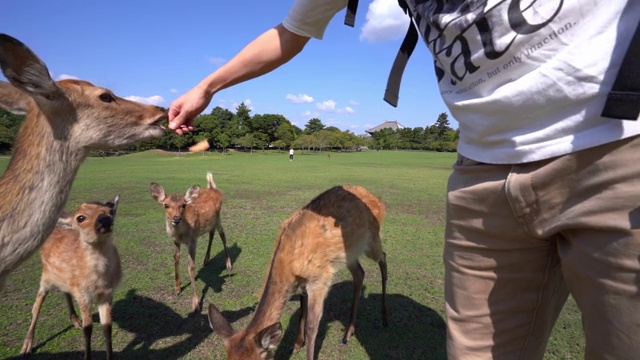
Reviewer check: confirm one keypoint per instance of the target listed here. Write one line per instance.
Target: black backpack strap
(392, 91)
(350, 17)
(623, 101)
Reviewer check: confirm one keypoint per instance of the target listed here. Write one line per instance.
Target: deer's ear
(157, 192)
(25, 70)
(13, 100)
(192, 194)
(268, 337)
(65, 220)
(219, 324)
(113, 204)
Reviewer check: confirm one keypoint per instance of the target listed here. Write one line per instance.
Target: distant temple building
(393, 125)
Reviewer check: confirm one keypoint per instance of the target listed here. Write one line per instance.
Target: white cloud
(328, 105)
(309, 114)
(354, 103)
(349, 110)
(216, 60)
(385, 21)
(299, 99)
(231, 105)
(151, 100)
(66, 76)
(173, 91)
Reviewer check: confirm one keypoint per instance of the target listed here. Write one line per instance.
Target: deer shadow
(150, 322)
(415, 331)
(211, 272)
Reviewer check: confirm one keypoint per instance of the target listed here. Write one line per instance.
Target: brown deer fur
(80, 259)
(187, 217)
(64, 120)
(335, 228)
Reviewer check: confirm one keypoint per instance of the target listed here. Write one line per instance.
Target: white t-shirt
(525, 80)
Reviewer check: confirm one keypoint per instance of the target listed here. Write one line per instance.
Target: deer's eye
(81, 218)
(107, 97)
(184, 206)
(166, 206)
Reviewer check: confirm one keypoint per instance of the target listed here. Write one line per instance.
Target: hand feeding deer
(64, 120)
(335, 228)
(187, 217)
(81, 260)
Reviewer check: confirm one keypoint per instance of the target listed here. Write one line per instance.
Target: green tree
(279, 144)
(268, 124)
(247, 141)
(260, 139)
(9, 125)
(224, 141)
(314, 125)
(323, 138)
(285, 133)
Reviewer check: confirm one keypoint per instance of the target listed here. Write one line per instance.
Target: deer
(188, 216)
(80, 259)
(334, 229)
(64, 121)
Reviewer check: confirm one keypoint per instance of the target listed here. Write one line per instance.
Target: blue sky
(153, 51)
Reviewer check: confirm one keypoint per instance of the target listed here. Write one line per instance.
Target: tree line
(225, 129)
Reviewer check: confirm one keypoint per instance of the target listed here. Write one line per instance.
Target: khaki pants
(521, 238)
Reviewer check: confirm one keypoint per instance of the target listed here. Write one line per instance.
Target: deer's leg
(208, 254)
(28, 341)
(224, 243)
(300, 337)
(316, 295)
(176, 263)
(104, 309)
(383, 272)
(72, 312)
(379, 256)
(195, 301)
(358, 278)
(87, 325)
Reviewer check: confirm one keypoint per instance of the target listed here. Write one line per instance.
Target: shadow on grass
(211, 273)
(152, 324)
(415, 331)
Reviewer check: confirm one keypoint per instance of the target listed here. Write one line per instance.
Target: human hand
(185, 108)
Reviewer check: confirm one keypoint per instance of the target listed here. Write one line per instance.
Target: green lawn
(260, 191)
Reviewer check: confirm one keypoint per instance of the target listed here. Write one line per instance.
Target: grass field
(261, 190)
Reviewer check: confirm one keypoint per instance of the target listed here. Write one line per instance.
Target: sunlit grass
(260, 191)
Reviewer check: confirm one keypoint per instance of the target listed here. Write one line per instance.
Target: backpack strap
(392, 91)
(350, 17)
(623, 101)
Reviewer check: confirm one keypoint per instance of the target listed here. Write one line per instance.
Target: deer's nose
(104, 223)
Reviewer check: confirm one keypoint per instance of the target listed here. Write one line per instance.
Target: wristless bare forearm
(266, 53)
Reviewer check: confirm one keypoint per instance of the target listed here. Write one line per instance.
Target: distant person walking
(291, 154)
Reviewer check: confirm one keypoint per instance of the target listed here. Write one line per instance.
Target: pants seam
(537, 308)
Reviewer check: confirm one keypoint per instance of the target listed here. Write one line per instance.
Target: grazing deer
(64, 121)
(188, 216)
(81, 260)
(335, 228)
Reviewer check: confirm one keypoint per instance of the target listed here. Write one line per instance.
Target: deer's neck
(34, 189)
(278, 288)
